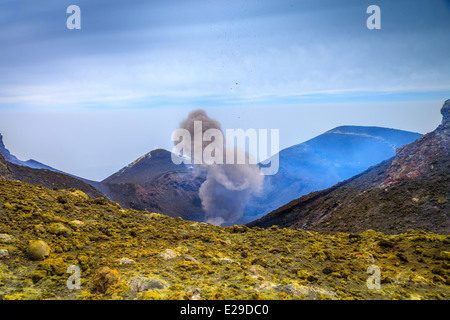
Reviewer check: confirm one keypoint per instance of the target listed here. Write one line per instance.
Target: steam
(228, 187)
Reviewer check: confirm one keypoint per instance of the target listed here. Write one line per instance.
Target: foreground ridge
(129, 254)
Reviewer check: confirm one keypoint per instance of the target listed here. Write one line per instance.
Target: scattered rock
(228, 260)
(4, 253)
(7, 238)
(194, 226)
(310, 292)
(141, 283)
(188, 257)
(289, 288)
(153, 215)
(195, 294)
(38, 250)
(77, 223)
(313, 292)
(104, 278)
(260, 273)
(126, 261)
(168, 254)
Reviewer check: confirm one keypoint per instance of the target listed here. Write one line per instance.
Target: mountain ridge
(154, 183)
(142, 170)
(325, 160)
(44, 177)
(409, 190)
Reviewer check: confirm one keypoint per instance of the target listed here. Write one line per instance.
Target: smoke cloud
(228, 187)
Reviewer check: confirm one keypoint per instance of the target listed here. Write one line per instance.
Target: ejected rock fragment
(4, 237)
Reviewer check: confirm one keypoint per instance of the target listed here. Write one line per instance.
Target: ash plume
(227, 187)
(189, 125)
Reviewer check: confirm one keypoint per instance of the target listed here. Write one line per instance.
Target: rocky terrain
(46, 235)
(408, 191)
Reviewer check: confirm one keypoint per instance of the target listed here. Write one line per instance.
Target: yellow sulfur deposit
(129, 254)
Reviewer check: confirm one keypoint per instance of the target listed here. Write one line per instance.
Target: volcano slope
(45, 177)
(154, 183)
(409, 191)
(323, 161)
(129, 254)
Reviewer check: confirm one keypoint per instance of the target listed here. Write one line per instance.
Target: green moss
(151, 295)
(59, 229)
(54, 266)
(187, 266)
(119, 291)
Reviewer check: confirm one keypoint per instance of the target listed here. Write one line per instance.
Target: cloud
(128, 54)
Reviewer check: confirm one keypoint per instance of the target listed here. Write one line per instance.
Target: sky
(92, 100)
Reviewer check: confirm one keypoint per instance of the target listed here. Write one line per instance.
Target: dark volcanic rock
(154, 183)
(409, 191)
(325, 160)
(147, 168)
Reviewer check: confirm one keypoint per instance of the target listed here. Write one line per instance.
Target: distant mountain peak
(355, 129)
(160, 153)
(371, 131)
(145, 168)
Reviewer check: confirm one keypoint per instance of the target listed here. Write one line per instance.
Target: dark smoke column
(228, 185)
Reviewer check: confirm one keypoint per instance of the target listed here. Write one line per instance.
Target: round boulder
(104, 278)
(38, 250)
